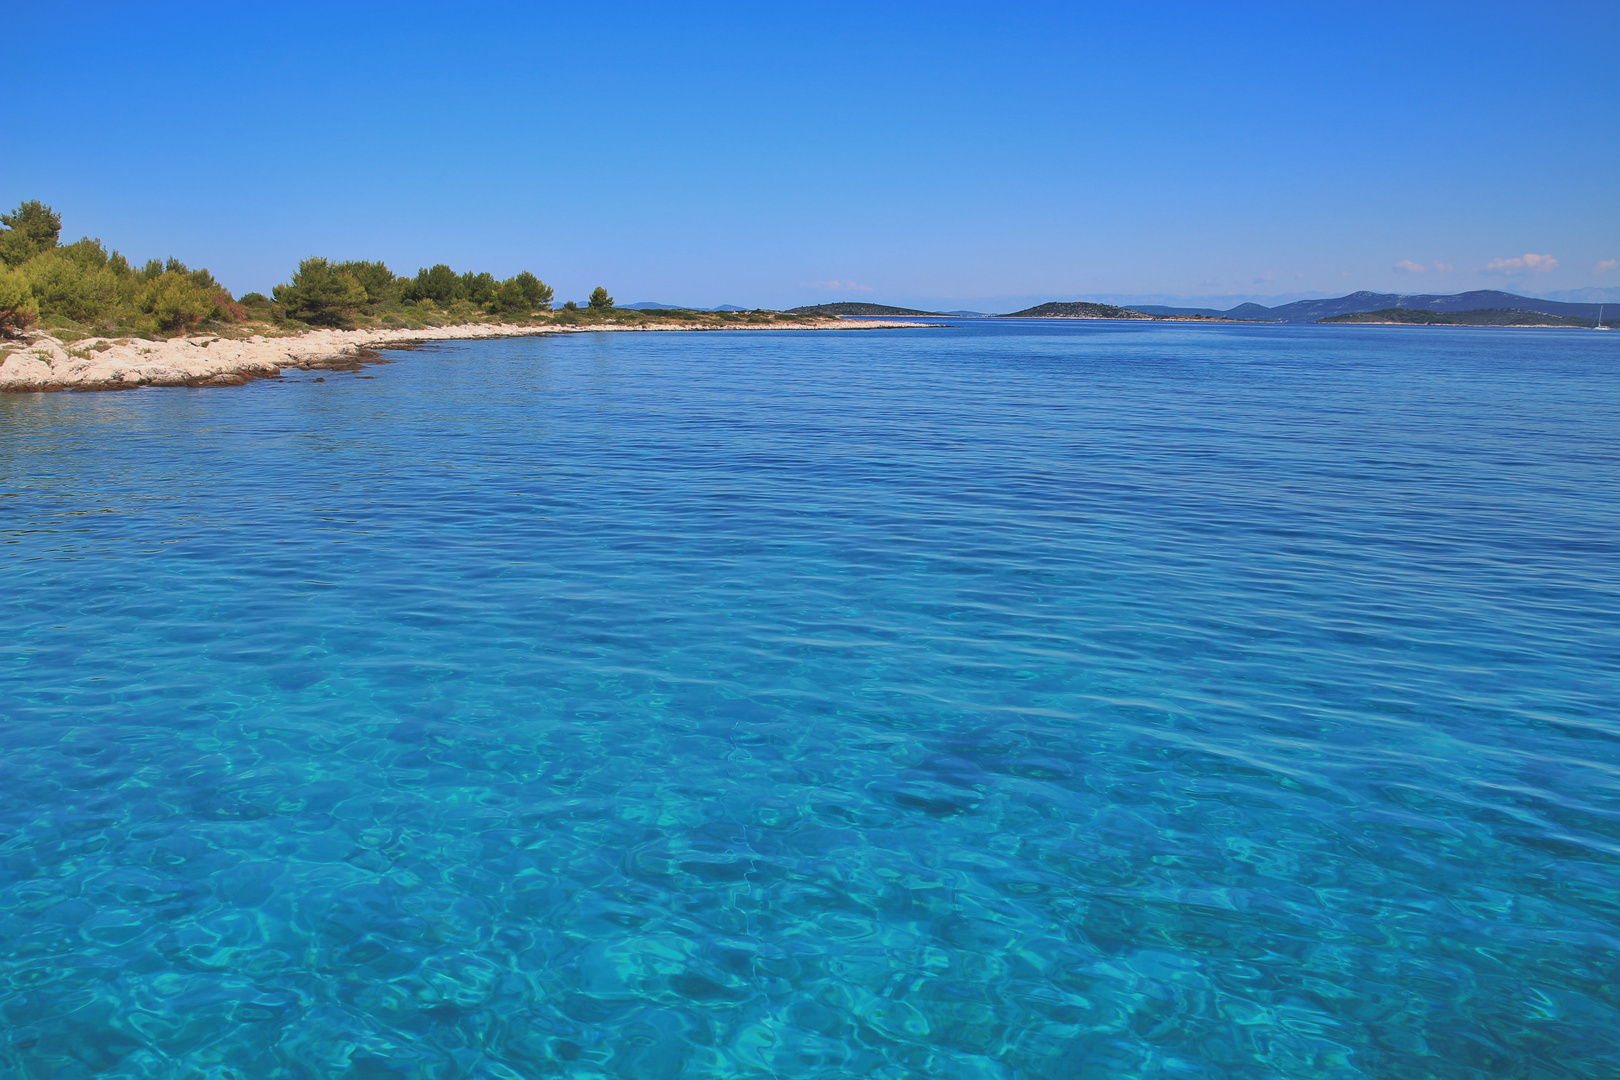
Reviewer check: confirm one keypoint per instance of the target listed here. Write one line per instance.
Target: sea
(1002, 699)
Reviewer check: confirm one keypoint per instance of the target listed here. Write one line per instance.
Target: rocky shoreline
(39, 363)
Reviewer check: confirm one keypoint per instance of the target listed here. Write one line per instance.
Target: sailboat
(1600, 325)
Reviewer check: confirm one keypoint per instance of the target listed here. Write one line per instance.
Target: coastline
(1443, 325)
(42, 363)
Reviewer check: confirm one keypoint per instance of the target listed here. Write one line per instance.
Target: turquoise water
(1007, 700)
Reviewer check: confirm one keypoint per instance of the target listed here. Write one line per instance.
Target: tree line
(325, 293)
(84, 285)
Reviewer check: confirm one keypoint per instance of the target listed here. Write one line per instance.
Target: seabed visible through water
(1010, 700)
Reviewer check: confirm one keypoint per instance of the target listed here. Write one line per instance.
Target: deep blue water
(1009, 700)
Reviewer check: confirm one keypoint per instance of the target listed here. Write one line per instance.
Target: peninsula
(76, 316)
(42, 362)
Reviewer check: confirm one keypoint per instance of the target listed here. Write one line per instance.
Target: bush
(83, 284)
(536, 292)
(320, 294)
(175, 301)
(509, 299)
(478, 288)
(437, 283)
(600, 300)
(522, 294)
(87, 253)
(380, 283)
(18, 309)
(254, 300)
(31, 229)
(69, 286)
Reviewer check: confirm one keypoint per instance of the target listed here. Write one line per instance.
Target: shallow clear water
(1010, 700)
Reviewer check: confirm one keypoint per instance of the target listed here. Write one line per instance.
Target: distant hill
(1481, 317)
(652, 305)
(1239, 312)
(968, 314)
(1317, 310)
(850, 308)
(1076, 310)
(1590, 295)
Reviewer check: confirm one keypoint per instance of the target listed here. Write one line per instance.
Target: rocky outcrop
(40, 362)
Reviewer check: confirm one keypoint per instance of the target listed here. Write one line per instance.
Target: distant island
(1079, 309)
(1076, 310)
(1483, 307)
(1480, 317)
(848, 309)
(1309, 311)
(650, 305)
(851, 308)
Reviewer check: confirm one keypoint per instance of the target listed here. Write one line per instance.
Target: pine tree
(320, 294)
(30, 229)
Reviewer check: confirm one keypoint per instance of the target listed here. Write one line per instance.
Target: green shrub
(31, 229)
(509, 299)
(438, 284)
(202, 278)
(86, 252)
(254, 300)
(535, 292)
(176, 301)
(521, 295)
(478, 288)
(72, 288)
(83, 286)
(18, 310)
(320, 294)
(381, 285)
(600, 300)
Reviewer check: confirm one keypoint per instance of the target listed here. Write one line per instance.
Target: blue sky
(962, 155)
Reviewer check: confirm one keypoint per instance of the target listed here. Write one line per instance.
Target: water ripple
(1003, 701)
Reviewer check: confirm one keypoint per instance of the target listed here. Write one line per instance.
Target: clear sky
(963, 155)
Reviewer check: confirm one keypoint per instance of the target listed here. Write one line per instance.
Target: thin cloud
(839, 286)
(1605, 266)
(1265, 277)
(1407, 266)
(1518, 265)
